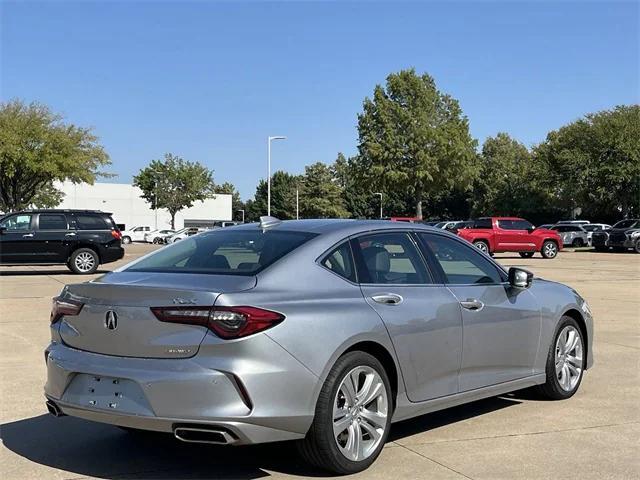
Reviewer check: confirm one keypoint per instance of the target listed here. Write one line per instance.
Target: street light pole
(277, 137)
(297, 206)
(380, 193)
(242, 215)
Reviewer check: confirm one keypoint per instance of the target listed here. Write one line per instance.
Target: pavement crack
(526, 434)
(435, 461)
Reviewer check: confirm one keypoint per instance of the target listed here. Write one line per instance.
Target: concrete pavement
(594, 435)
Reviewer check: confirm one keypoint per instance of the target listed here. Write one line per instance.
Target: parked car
(572, 234)
(328, 333)
(594, 227)
(79, 239)
(446, 225)
(511, 234)
(184, 233)
(625, 235)
(158, 236)
(574, 222)
(225, 223)
(135, 234)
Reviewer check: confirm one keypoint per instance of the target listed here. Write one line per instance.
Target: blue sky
(211, 80)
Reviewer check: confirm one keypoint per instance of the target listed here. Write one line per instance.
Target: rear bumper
(111, 254)
(262, 397)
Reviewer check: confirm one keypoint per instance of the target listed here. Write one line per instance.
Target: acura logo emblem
(111, 320)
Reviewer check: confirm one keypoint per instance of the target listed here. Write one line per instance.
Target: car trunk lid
(116, 318)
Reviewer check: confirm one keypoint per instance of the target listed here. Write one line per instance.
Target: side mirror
(531, 229)
(520, 278)
(3, 230)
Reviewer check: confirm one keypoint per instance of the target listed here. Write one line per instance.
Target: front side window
(18, 222)
(522, 225)
(340, 261)
(391, 258)
(461, 264)
(223, 252)
(50, 221)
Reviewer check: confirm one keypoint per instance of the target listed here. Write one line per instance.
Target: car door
(52, 237)
(421, 315)
(501, 325)
(15, 239)
(512, 236)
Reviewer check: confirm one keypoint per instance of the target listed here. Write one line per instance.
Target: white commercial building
(129, 209)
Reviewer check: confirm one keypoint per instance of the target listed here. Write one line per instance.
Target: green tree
(414, 139)
(321, 194)
(174, 184)
(283, 197)
(594, 163)
(504, 163)
(236, 202)
(36, 149)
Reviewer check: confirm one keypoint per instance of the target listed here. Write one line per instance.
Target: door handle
(387, 298)
(27, 235)
(70, 234)
(472, 304)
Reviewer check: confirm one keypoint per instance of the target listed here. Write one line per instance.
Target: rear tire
(565, 361)
(361, 428)
(482, 246)
(549, 249)
(126, 240)
(84, 261)
(526, 254)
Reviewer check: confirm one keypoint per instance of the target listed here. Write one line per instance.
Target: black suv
(623, 235)
(80, 239)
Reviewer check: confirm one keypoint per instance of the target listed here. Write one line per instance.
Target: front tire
(549, 249)
(84, 261)
(636, 246)
(565, 361)
(352, 416)
(578, 243)
(126, 240)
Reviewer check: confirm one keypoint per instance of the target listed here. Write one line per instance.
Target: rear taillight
(116, 234)
(225, 322)
(60, 308)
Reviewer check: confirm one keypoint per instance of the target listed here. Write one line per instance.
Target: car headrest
(216, 261)
(377, 259)
(247, 266)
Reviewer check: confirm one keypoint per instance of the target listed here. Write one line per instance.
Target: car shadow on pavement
(103, 451)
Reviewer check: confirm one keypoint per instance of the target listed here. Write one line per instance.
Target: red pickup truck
(511, 234)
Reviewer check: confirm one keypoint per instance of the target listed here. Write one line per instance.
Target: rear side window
(391, 258)
(51, 221)
(482, 223)
(224, 252)
(340, 261)
(90, 222)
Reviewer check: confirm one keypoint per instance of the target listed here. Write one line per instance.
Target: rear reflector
(60, 308)
(225, 322)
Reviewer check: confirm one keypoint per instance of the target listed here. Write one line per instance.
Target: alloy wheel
(482, 247)
(84, 261)
(568, 359)
(550, 250)
(360, 410)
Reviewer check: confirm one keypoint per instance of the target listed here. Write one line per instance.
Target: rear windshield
(627, 224)
(223, 252)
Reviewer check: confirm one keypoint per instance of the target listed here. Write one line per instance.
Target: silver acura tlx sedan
(326, 331)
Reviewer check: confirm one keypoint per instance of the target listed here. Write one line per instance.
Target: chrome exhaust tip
(54, 409)
(204, 434)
